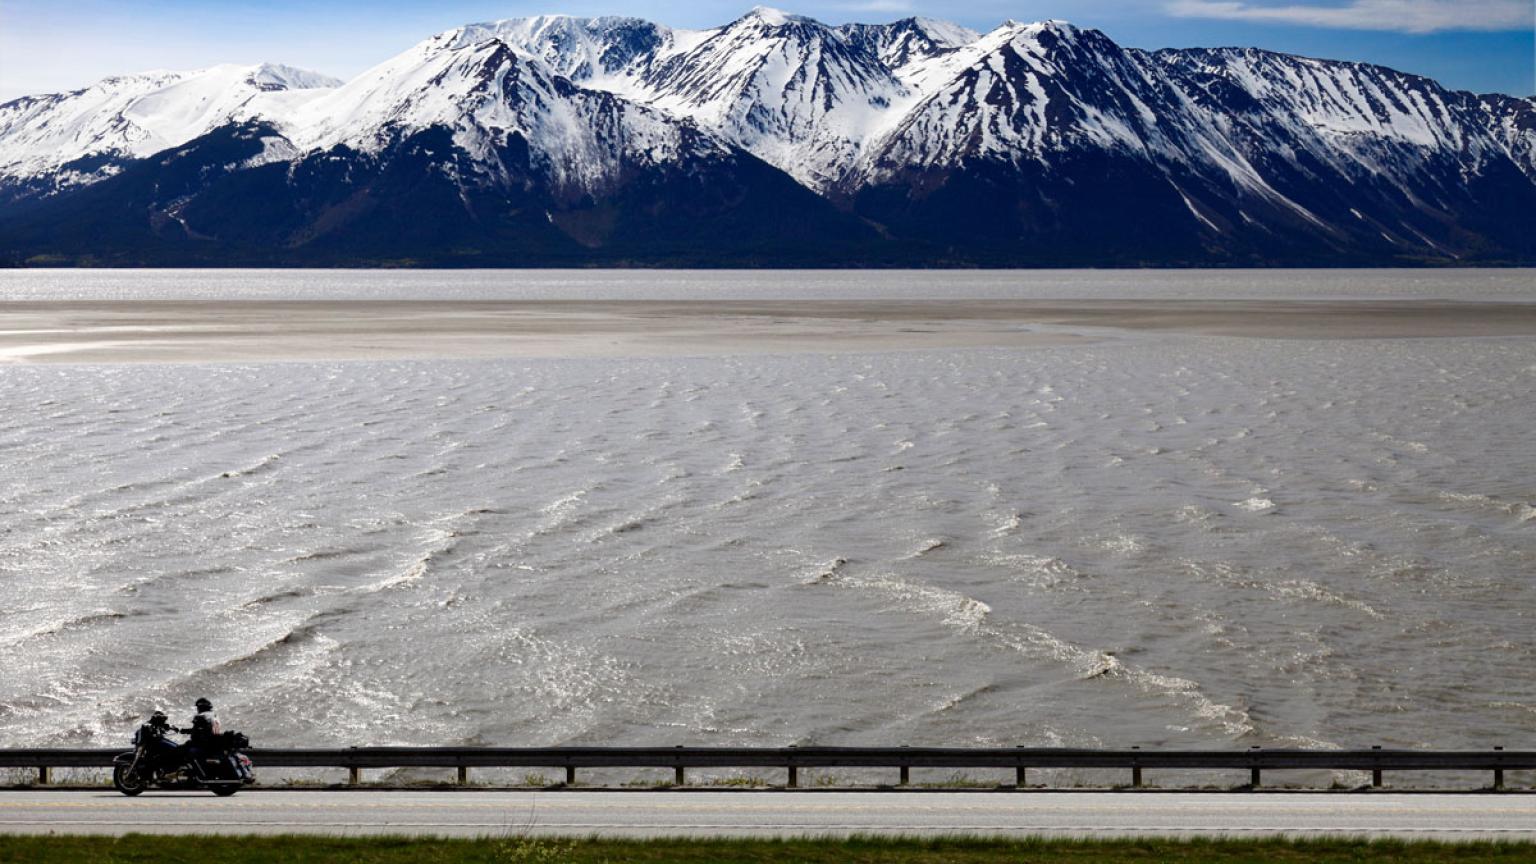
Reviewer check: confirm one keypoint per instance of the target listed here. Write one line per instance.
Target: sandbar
(158, 331)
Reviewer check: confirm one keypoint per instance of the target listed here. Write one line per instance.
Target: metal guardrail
(1375, 760)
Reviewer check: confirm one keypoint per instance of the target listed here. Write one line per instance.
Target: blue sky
(52, 45)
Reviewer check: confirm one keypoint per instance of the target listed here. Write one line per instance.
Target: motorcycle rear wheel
(128, 782)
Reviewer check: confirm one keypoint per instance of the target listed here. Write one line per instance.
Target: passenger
(205, 730)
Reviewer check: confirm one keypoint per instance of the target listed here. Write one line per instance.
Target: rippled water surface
(1158, 540)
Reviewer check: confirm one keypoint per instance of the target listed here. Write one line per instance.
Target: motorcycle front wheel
(224, 790)
(128, 782)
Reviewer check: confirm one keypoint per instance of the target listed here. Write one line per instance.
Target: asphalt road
(768, 814)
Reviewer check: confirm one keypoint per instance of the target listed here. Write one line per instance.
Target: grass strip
(294, 849)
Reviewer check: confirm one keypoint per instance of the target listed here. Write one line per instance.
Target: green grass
(144, 849)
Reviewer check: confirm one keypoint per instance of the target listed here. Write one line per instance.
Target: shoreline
(191, 331)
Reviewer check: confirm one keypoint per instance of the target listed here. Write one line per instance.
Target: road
(774, 814)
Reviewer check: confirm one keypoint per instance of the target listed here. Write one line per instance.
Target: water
(1164, 540)
(1493, 285)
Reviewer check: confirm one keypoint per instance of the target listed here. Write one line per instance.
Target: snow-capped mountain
(1023, 92)
(587, 50)
(572, 138)
(798, 94)
(85, 135)
(910, 40)
(1513, 122)
(1359, 122)
(499, 105)
(1374, 151)
(791, 90)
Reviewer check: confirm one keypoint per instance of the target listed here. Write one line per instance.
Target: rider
(204, 730)
(161, 751)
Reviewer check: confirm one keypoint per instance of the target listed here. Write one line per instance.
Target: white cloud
(1405, 16)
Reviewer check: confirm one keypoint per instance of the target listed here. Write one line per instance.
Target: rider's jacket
(205, 727)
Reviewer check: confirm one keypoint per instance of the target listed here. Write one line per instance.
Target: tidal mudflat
(1238, 519)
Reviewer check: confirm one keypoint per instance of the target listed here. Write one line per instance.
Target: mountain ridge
(923, 142)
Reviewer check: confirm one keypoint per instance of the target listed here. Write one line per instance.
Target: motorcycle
(157, 761)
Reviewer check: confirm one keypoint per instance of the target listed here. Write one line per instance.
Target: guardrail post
(794, 777)
(1498, 776)
(44, 775)
(463, 775)
(570, 775)
(1376, 772)
(906, 772)
(1135, 770)
(678, 778)
(354, 776)
(1253, 773)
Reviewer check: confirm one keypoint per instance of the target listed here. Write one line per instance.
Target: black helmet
(203, 705)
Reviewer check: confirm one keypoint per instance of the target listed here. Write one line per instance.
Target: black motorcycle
(155, 760)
